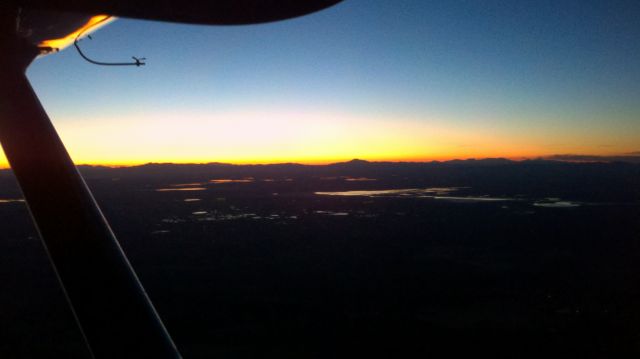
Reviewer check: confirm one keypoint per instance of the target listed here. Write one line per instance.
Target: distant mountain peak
(357, 161)
(353, 163)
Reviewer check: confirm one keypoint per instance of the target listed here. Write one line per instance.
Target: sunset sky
(370, 79)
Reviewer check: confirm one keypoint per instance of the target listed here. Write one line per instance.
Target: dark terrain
(513, 259)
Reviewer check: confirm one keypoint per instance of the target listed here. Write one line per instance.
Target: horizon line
(557, 158)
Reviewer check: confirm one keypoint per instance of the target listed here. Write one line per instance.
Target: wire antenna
(137, 61)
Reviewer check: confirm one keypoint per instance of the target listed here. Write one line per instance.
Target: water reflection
(187, 189)
(444, 194)
(472, 199)
(439, 193)
(405, 192)
(196, 184)
(10, 200)
(332, 213)
(348, 179)
(557, 204)
(215, 217)
(230, 180)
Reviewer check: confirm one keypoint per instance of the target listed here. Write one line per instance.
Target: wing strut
(115, 314)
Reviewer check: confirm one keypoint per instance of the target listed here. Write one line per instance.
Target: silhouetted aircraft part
(206, 12)
(110, 305)
(88, 27)
(57, 30)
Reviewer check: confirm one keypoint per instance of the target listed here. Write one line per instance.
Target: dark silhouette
(112, 309)
(533, 259)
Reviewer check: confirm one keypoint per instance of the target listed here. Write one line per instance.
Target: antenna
(137, 61)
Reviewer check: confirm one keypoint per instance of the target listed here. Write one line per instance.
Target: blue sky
(446, 78)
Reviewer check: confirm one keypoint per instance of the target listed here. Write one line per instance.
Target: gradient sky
(370, 79)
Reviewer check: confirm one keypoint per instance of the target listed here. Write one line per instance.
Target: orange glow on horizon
(116, 164)
(305, 137)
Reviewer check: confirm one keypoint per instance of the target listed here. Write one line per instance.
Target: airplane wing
(111, 307)
(204, 12)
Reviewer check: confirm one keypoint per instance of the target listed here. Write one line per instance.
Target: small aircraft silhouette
(110, 305)
(139, 61)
